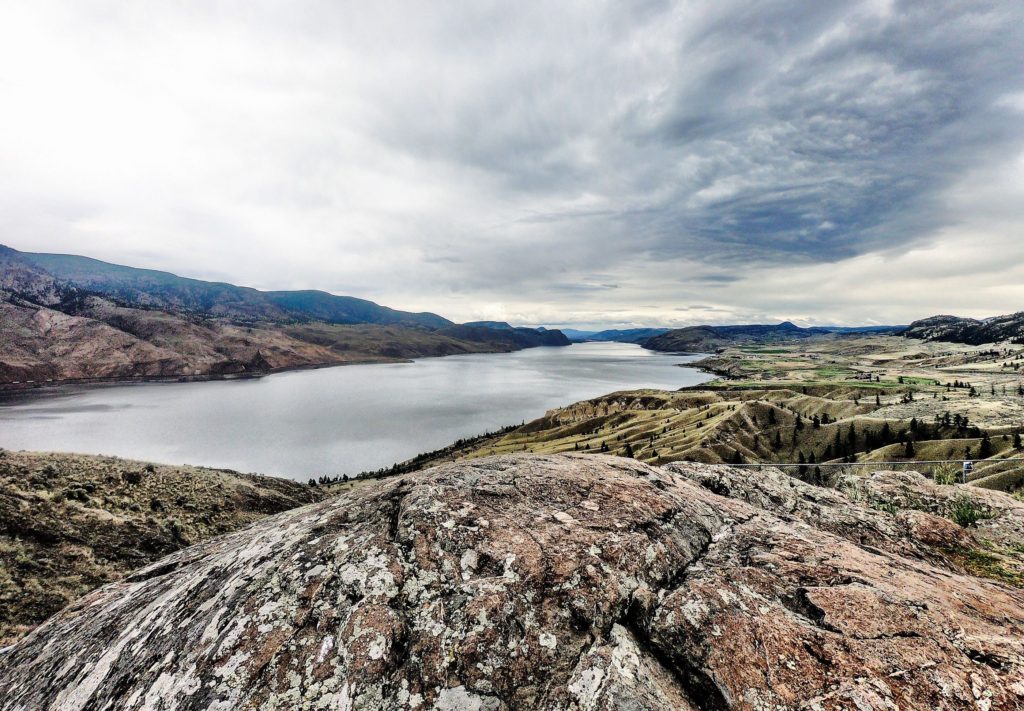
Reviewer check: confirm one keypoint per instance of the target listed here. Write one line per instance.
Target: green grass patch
(988, 565)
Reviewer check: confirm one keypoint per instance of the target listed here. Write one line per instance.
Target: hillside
(94, 321)
(71, 523)
(563, 582)
(706, 339)
(954, 329)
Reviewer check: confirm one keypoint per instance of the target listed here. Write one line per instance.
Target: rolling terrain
(66, 318)
(830, 399)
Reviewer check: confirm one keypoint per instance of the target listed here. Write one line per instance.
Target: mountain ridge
(110, 323)
(162, 289)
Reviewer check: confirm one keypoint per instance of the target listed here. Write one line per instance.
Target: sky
(575, 163)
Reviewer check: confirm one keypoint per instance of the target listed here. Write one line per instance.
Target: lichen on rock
(554, 582)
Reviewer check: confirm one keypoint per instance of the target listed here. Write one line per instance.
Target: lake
(341, 420)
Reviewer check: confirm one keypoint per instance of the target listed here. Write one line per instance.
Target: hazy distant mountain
(708, 338)
(156, 289)
(627, 335)
(955, 329)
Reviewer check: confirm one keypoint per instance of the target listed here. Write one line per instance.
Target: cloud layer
(566, 163)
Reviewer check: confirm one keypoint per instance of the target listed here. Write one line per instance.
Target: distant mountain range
(628, 335)
(70, 318)
(702, 339)
(955, 329)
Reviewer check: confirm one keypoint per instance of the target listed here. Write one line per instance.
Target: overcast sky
(560, 163)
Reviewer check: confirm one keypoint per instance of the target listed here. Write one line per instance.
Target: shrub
(945, 474)
(966, 512)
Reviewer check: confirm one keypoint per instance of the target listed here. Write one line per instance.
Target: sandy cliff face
(576, 582)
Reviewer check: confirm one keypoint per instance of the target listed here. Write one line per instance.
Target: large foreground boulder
(560, 582)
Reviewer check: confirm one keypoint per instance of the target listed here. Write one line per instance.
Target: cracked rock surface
(554, 582)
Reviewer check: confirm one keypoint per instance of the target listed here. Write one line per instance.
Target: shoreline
(46, 385)
(30, 386)
(42, 386)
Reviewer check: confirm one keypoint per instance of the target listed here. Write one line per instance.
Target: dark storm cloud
(491, 160)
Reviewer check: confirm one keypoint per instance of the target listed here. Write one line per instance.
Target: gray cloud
(564, 163)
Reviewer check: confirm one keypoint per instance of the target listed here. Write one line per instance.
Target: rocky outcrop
(559, 582)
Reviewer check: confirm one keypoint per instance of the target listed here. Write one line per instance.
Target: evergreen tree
(986, 447)
(1016, 440)
(629, 450)
(909, 452)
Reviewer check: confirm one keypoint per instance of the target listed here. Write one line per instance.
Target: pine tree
(1016, 440)
(986, 447)
(909, 452)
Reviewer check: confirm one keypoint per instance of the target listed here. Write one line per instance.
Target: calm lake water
(333, 420)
